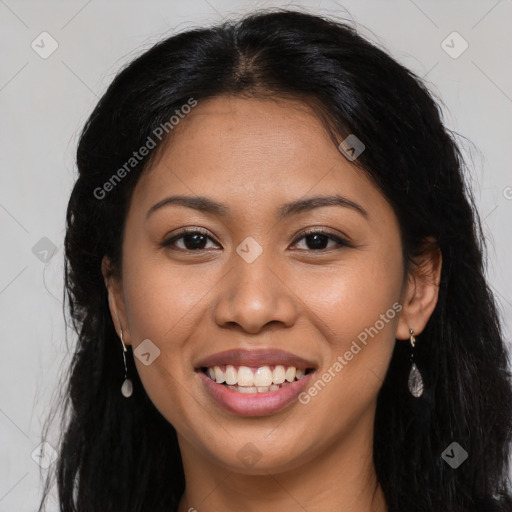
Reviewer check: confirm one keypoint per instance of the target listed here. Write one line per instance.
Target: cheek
(159, 313)
(353, 296)
(161, 301)
(161, 296)
(356, 307)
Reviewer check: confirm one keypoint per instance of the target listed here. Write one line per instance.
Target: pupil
(319, 241)
(197, 239)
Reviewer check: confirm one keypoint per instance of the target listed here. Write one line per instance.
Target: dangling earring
(415, 379)
(127, 387)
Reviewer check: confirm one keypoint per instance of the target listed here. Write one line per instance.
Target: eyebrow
(207, 205)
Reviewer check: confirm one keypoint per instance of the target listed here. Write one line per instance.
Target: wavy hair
(122, 455)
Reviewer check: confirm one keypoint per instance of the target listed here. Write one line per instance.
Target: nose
(255, 294)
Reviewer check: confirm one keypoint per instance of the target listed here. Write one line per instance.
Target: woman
(275, 271)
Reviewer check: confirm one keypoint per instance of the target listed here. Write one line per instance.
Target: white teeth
(219, 375)
(247, 390)
(245, 376)
(263, 377)
(290, 373)
(257, 378)
(258, 389)
(279, 374)
(231, 375)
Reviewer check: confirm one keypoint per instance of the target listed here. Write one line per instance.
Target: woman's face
(251, 281)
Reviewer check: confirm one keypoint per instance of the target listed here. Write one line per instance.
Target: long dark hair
(122, 455)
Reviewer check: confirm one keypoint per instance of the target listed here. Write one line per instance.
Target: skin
(253, 155)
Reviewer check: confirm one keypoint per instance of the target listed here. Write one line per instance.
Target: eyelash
(341, 243)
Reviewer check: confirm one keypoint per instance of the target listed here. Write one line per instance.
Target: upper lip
(255, 358)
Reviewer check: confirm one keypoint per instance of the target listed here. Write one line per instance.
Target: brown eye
(316, 240)
(196, 240)
(193, 240)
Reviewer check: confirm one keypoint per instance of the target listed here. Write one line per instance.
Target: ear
(115, 300)
(421, 290)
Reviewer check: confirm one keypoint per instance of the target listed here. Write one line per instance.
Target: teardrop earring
(415, 380)
(127, 387)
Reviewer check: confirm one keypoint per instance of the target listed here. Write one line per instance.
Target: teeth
(279, 375)
(263, 377)
(258, 389)
(231, 375)
(245, 376)
(290, 373)
(260, 379)
(219, 375)
(247, 390)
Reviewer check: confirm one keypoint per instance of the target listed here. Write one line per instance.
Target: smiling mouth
(263, 379)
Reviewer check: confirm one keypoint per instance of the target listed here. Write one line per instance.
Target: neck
(341, 478)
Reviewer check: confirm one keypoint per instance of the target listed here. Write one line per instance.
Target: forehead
(246, 132)
(249, 152)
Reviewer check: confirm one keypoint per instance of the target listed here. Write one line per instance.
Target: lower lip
(255, 404)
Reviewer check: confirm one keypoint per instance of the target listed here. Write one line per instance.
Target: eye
(193, 240)
(196, 239)
(318, 237)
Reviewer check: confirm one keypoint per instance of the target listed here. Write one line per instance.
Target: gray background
(45, 101)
